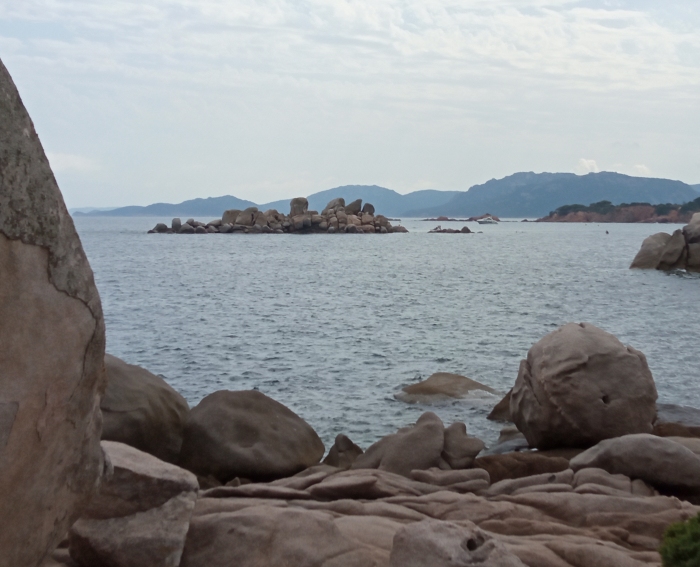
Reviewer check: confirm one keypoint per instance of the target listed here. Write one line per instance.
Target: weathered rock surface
(142, 410)
(51, 360)
(246, 434)
(376, 518)
(692, 230)
(661, 462)
(140, 516)
(580, 385)
(440, 386)
(674, 253)
(447, 544)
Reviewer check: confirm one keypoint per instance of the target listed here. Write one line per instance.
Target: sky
(149, 101)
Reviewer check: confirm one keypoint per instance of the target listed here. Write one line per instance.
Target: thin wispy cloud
(309, 92)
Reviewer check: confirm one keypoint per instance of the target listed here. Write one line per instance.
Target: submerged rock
(51, 362)
(441, 386)
(580, 385)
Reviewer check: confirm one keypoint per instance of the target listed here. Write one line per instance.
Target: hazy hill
(536, 194)
(387, 202)
(210, 207)
(696, 187)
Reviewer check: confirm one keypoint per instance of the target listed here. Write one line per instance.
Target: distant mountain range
(518, 195)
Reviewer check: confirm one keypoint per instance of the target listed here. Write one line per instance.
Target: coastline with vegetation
(605, 211)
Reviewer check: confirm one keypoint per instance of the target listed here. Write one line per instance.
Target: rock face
(246, 434)
(650, 253)
(142, 410)
(140, 516)
(440, 386)
(51, 360)
(661, 462)
(426, 445)
(298, 206)
(580, 385)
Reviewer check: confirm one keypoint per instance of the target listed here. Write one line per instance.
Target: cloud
(641, 170)
(61, 163)
(586, 166)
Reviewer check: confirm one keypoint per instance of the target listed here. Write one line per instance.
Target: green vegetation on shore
(606, 207)
(681, 544)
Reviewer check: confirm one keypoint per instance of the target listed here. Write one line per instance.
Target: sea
(332, 326)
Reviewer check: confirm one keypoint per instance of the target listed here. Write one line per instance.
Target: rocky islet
(677, 251)
(336, 218)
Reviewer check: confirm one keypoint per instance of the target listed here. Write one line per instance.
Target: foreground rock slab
(580, 385)
(141, 515)
(142, 410)
(51, 360)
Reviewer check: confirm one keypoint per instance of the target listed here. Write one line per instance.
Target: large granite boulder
(230, 216)
(354, 208)
(142, 410)
(51, 359)
(650, 253)
(674, 253)
(248, 435)
(580, 385)
(661, 462)
(140, 516)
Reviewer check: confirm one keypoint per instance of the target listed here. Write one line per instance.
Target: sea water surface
(333, 325)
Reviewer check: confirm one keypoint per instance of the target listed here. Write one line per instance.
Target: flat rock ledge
(329, 517)
(336, 218)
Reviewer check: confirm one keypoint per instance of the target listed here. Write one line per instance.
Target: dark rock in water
(501, 411)
(368, 208)
(52, 343)
(518, 465)
(187, 228)
(580, 385)
(246, 434)
(200, 230)
(677, 421)
(191, 222)
(142, 410)
(161, 227)
(354, 208)
(176, 225)
(343, 453)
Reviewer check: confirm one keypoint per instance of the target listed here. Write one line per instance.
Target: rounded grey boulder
(248, 435)
(141, 410)
(580, 385)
